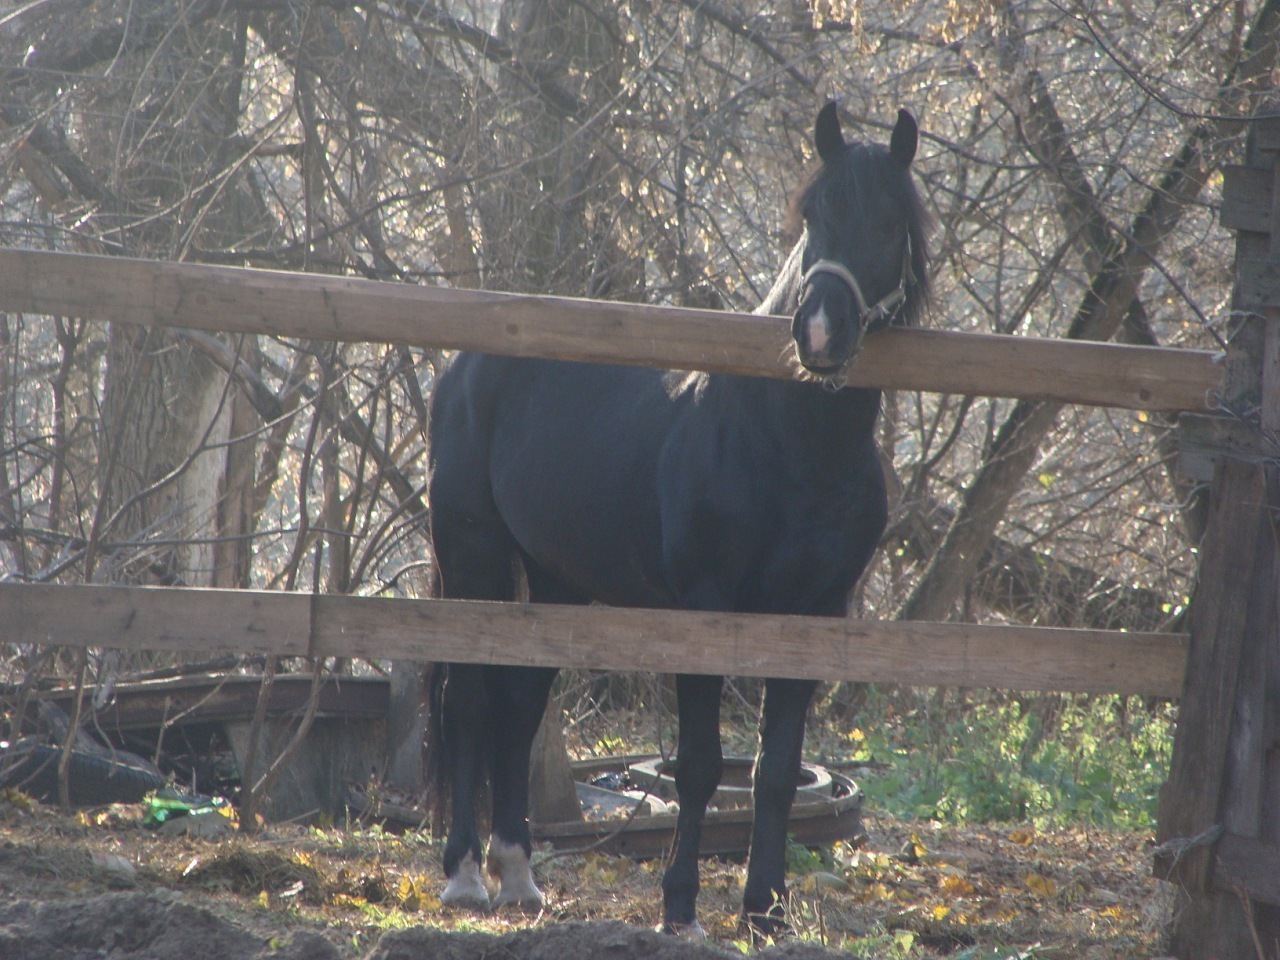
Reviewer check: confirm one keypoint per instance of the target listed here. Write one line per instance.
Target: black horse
(641, 488)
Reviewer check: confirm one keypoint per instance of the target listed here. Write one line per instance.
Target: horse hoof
(529, 901)
(685, 931)
(509, 865)
(465, 888)
(468, 899)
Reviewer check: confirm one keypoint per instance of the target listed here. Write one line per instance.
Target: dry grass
(914, 891)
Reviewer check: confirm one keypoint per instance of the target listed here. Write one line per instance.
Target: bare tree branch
(1099, 315)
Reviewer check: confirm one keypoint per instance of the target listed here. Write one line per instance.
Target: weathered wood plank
(1224, 774)
(1023, 658)
(1203, 440)
(1246, 199)
(760, 645)
(238, 300)
(1247, 864)
(1236, 556)
(1266, 132)
(152, 703)
(156, 618)
(1258, 284)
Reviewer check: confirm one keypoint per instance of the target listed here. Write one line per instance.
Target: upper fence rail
(244, 300)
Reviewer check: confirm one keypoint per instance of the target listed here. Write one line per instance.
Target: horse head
(862, 265)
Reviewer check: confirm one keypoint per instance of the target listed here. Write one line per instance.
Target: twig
(1179, 847)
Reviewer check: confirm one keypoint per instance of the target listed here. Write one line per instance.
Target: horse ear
(826, 134)
(902, 145)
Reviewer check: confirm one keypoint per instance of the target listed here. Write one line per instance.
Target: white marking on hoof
(465, 888)
(509, 864)
(685, 931)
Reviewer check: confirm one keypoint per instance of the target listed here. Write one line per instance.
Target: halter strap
(836, 270)
(883, 308)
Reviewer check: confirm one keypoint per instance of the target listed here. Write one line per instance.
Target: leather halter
(883, 309)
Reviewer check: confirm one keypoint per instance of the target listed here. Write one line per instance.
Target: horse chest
(758, 531)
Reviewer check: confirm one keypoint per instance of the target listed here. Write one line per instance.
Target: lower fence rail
(600, 638)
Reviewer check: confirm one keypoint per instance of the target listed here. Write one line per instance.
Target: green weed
(1049, 759)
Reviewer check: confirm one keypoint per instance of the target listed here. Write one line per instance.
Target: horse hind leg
(474, 560)
(699, 763)
(520, 697)
(463, 716)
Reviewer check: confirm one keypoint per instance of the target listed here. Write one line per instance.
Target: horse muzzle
(825, 344)
(828, 324)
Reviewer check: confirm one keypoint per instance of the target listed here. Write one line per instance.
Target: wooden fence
(1219, 829)
(319, 307)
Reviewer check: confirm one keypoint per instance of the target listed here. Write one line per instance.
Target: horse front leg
(777, 771)
(699, 763)
(519, 698)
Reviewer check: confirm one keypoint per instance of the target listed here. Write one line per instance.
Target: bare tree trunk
(538, 233)
(553, 797)
(172, 417)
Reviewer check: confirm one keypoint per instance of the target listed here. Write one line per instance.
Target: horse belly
(814, 574)
(592, 544)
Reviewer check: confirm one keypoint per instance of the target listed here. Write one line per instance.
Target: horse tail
(438, 785)
(457, 707)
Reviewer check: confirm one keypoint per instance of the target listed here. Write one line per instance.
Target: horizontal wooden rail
(239, 300)
(604, 638)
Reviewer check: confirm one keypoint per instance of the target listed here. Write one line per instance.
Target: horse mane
(785, 292)
(856, 166)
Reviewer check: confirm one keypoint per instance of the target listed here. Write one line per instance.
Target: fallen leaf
(913, 849)
(957, 887)
(1041, 886)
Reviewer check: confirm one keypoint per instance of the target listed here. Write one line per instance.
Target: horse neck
(847, 414)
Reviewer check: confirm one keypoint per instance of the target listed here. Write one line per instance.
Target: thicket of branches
(639, 150)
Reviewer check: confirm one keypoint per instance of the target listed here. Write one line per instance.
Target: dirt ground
(100, 885)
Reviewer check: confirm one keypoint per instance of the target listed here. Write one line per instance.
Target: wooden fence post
(1219, 829)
